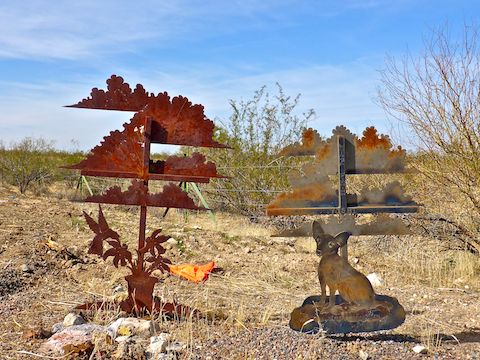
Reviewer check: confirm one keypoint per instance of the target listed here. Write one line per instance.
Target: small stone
(375, 280)
(131, 348)
(118, 289)
(363, 355)
(355, 260)
(158, 345)
(74, 339)
(57, 327)
(26, 268)
(197, 227)
(132, 326)
(119, 339)
(73, 319)
(247, 250)
(175, 347)
(172, 241)
(420, 349)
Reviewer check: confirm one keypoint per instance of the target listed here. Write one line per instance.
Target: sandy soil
(260, 282)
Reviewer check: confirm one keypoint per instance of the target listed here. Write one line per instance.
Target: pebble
(73, 319)
(57, 327)
(158, 345)
(118, 289)
(119, 339)
(132, 326)
(26, 268)
(131, 348)
(419, 349)
(172, 241)
(72, 337)
(375, 280)
(363, 355)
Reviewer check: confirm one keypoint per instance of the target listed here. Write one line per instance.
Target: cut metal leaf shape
(102, 232)
(153, 243)
(158, 263)
(120, 253)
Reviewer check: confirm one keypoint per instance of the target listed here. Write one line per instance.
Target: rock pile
(124, 338)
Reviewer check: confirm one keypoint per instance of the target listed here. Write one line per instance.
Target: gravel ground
(282, 343)
(262, 279)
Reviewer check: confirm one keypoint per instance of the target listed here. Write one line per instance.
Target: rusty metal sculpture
(357, 308)
(126, 154)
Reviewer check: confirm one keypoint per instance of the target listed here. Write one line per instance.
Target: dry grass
(263, 279)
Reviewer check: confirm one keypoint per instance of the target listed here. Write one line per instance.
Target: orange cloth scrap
(193, 272)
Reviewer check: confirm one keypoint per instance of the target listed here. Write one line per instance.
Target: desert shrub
(256, 130)
(436, 95)
(34, 163)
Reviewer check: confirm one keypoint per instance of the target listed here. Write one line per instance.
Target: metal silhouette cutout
(356, 308)
(126, 154)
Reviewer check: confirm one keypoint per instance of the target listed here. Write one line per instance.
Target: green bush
(257, 129)
(34, 162)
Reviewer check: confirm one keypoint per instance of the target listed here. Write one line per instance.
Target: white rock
(197, 227)
(119, 339)
(172, 241)
(375, 280)
(363, 355)
(420, 349)
(72, 336)
(176, 347)
(57, 327)
(26, 268)
(132, 326)
(158, 345)
(73, 319)
(355, 260)
(118, 289)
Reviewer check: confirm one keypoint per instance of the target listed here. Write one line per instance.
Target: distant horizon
(329, 51)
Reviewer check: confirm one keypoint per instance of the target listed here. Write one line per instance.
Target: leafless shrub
(437, 95)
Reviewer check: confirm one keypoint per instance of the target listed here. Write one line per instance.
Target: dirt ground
(261, 280)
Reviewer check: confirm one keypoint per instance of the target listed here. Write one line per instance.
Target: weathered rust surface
(311, 140)
(126, 154)
(119, 96)
(102, 232)
(370, 154)
(313, 192)
(381, 225)
(120, 154)
(184, 168)
(175, 121)
(172, 196)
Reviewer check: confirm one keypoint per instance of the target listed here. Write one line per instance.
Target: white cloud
(43, 29)
(339, 95)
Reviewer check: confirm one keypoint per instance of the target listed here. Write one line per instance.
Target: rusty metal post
(143, 207)
(342, 185)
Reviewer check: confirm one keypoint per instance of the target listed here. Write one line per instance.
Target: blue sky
(53, 52)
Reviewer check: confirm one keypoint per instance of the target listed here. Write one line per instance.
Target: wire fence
(220, 193)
